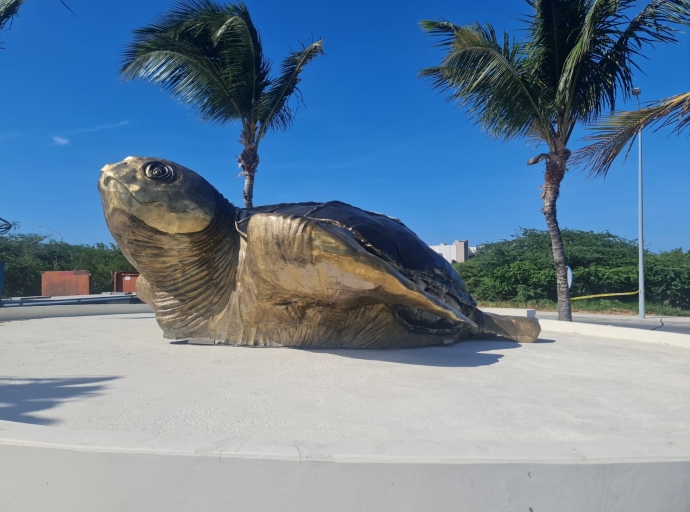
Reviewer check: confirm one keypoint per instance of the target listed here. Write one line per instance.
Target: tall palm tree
(615, 132)
(576, 58)
(209, 56)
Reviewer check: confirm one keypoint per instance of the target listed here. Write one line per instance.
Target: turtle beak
(104, 178)
(113, 192)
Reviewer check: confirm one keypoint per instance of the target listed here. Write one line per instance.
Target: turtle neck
(191, 276)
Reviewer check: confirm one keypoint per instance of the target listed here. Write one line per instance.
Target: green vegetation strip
(26, 256)
(520, 272)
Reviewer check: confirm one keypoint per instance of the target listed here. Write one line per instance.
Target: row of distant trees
(574, 59)
(521, 269)
(27, 256)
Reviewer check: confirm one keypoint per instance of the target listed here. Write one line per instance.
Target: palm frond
(601, 63)
(68, 8)
(206, 55)
(6, 226)
(275, 112)
(241, 44)
(616, 132)
(553, 28)
(8, 10)
(488, 78)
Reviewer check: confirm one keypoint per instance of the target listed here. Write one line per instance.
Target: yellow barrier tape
(604, 295)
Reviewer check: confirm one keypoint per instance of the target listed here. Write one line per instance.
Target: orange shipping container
(67, 282)
(126, 282)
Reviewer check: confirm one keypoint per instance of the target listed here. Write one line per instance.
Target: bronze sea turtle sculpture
(298, 274)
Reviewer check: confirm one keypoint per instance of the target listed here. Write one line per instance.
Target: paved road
(666, 324)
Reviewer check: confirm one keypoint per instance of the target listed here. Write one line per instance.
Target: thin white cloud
(63, 140)
(98, 128)
(9, 135)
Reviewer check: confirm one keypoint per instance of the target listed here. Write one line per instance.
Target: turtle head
(177, 231)
(162, 194)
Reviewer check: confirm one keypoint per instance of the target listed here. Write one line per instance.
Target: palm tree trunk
(555, 171)
(249, 162)
(248, 192)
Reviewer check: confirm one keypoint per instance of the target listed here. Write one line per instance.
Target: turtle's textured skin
(301, 274)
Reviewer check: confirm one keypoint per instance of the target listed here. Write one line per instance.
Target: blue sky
(372, 134)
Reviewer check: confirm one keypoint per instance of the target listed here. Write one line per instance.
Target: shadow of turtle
(465, 354)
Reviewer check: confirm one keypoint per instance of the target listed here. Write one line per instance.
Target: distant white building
(459, 251)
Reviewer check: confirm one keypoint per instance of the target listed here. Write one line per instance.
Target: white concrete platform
(114, 417)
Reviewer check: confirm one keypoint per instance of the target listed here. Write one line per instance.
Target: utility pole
(636, 92)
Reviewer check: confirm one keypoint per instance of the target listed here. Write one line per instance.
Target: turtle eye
(158, 171)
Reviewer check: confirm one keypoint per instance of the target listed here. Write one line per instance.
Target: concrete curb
(345, 451)
(618, 333)
(8, 314)
(54, 468)
(529, 313)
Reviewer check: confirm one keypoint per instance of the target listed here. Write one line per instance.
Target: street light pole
(636, 92)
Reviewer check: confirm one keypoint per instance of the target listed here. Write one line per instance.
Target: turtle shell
(392, 241)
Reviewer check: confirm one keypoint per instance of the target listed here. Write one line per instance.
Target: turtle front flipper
(295, 259)
(143, 290)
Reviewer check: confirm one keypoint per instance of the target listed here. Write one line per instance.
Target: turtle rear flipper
(318, 261)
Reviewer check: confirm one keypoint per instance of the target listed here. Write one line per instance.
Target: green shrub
(521, 269)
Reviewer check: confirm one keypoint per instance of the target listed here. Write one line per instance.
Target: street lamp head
(636, 91)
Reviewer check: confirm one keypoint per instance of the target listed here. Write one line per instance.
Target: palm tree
(615, 132)
(577, 57)
(209, 56)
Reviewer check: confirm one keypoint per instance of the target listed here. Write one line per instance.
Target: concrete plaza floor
(117, 373)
